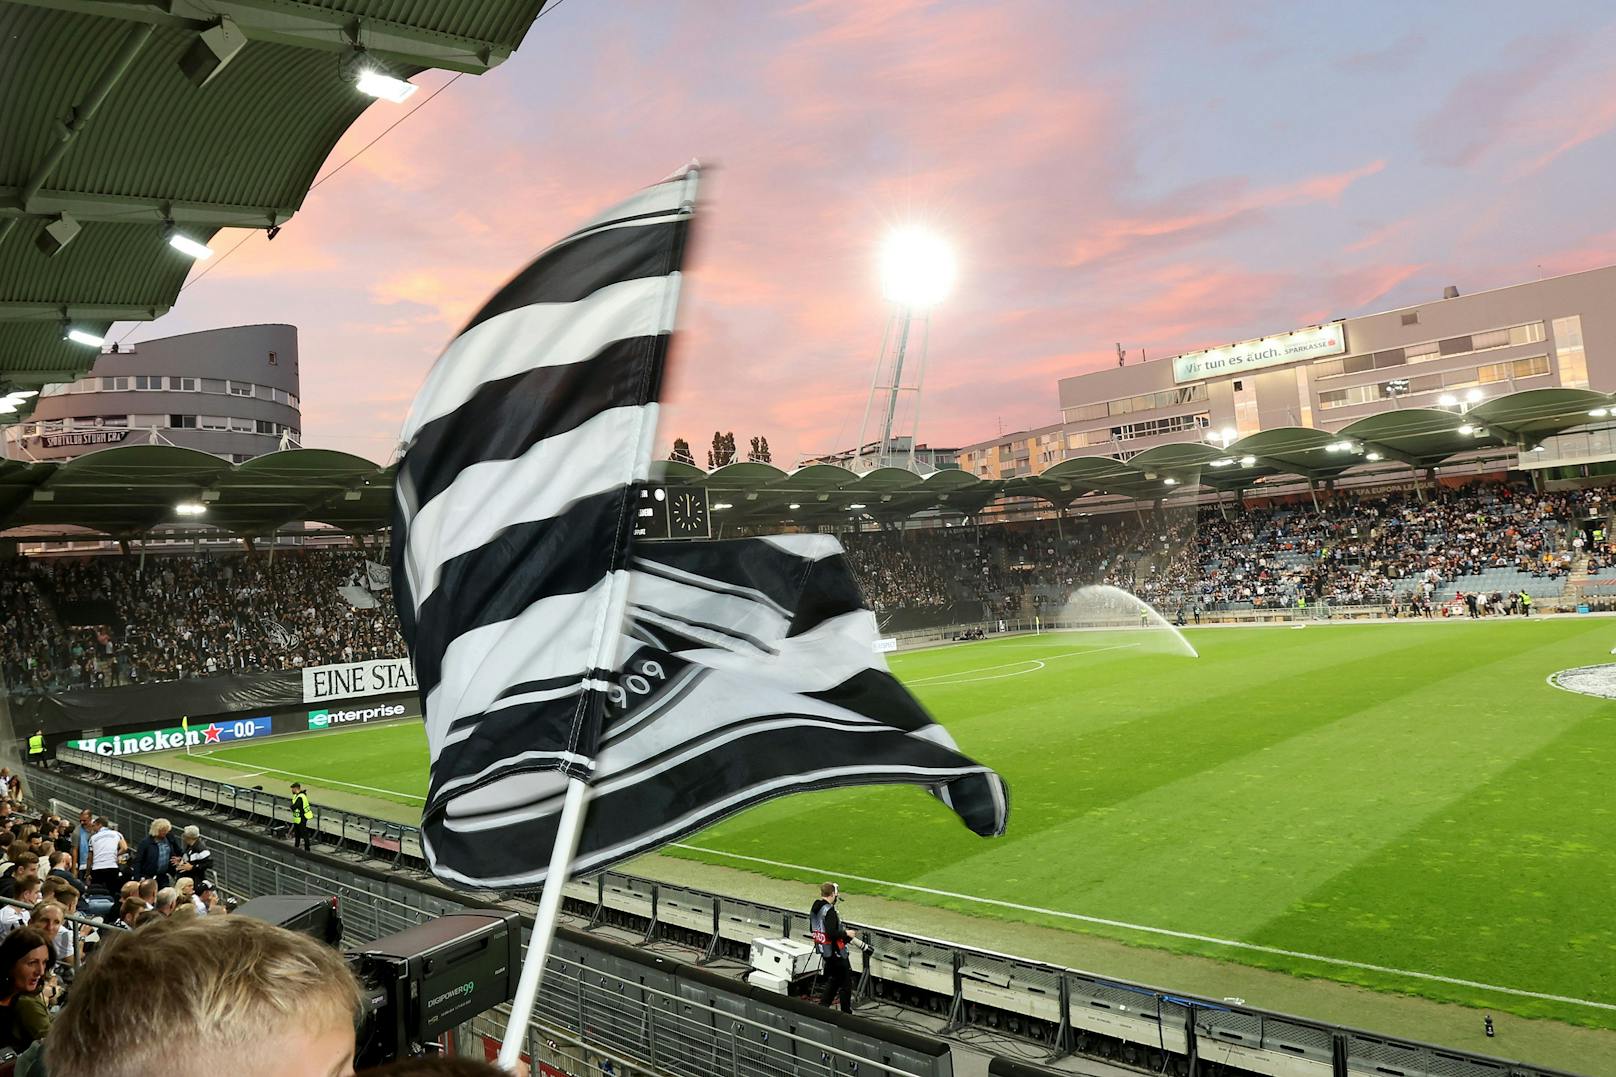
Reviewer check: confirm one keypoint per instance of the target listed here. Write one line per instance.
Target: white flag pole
(544, 923)
(607, 639)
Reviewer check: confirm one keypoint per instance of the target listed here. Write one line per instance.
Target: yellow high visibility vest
(36, 744)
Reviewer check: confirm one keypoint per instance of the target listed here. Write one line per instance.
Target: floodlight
(7, 408)
(1248, 461)
(1169, 482)
(1474, 395)
(23, 394)
(720, 506)
(80, 336)
(188, 246)
(190, 508)
(1447, 400)
(854, 506)
(793, 505)
(1467, 429)
(1599, 413)
(378, 83)
(1225, 462)
(1372, 456)
(917, 268)
(1538, 448)
(56, 235)
(1228, 433)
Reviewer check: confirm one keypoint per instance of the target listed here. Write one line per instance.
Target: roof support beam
(20, 311)
(303, 25)
(80, 115)
(121, 209)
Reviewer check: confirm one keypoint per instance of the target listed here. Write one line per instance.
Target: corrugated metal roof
(240, 150)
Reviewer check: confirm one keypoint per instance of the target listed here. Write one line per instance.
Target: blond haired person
(238, 996)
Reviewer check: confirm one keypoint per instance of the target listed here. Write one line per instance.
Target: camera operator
(234, 995)
(831, 939)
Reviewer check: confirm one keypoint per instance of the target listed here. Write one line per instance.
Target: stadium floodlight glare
(793, 506)
(1248, 461)
(1539, 448)
(190, 508)
(854, 506)
(720, 506)
(380, 84)
(1373, 456)
(1447, 400)
(917, 268)
(81, 336)
(7, 408)
(1467, 429)
(190, 247)
(1225, 462)
(1169, 482)
(1228, 433)
(1599, 413)
(1474, 395)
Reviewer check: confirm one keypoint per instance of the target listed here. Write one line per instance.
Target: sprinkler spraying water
(1101, 607)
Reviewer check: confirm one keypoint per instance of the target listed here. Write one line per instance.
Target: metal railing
(1067, 1010)
(592, 1001)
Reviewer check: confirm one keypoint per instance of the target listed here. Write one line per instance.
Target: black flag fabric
(683, 681)
(747, 670)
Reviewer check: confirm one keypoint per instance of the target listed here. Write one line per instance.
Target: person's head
(61, 861)
(24, 958)
(131, 910)
(297, 787)
(85, 818)
(147, 891)
(191, 834)
(101, 823)
(237, 996)
(27, 864)
(129, 889)
(185, 886)
(829, 891)
(163, 904)
(27, 890)
(47, 918)
(209, 896)
(160, 828)
(16, 850)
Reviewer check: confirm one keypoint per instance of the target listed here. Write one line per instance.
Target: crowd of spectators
(1377, 549)
(69, 884)
(103, 621)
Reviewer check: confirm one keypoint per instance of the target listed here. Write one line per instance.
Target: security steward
(36, 747)
(831, 939)
(302, 815)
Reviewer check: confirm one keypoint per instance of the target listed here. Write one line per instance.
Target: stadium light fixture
(82, 336)
(1447, 400)
(1169, 482)
(1599, 413)
(1372, 457)
(189, 247)
(376, 82)
(1539, 448)
(917, 268)
(720, 506)
(1225, 462)
(1248, 461)
(793, 506)
(1474, 396)
(190, 508)
(854, 507)
(1467, 429)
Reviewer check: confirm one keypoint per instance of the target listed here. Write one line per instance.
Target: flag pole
(544, 923)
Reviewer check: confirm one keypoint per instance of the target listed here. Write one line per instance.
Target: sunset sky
(1170, 176)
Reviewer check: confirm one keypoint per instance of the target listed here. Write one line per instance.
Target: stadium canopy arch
(126, 120)
(126, 491)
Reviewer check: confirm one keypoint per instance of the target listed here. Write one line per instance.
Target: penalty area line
(1146, 929)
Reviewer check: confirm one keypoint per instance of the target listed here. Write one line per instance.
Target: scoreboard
(671, 512)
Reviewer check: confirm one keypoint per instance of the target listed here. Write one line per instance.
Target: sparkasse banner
(1315, 343)
(162, 740)
(331, 718)
(379, 677)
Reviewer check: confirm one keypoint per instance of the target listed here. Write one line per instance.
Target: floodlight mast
(917, 270)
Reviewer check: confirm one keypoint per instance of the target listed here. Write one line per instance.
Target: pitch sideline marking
(1365, 966)
(942, 680)
(330, 781)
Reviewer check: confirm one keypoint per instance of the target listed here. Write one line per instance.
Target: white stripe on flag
(539, 335)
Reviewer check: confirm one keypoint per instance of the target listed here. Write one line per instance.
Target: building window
(213, 385)
(114, 384)
(185, 385)
(148, 383)
(182, 422)
(212, 422)
(242, 426)
(1569, 356)
(1412, 319)
(241, 388)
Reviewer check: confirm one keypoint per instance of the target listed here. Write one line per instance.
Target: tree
(759, 452)
(681, 453)
(722, 452)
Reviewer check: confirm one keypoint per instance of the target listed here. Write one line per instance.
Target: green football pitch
(1408, 807)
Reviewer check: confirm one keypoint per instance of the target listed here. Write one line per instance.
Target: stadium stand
(90, 622)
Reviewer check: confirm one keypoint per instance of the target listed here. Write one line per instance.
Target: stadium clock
(687, 513)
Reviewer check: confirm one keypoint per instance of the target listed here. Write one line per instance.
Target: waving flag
(683, 681)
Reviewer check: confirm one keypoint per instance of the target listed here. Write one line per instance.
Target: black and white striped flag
(701, 678)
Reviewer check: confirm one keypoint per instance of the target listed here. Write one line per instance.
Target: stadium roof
(127, 490)
(103, 125)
